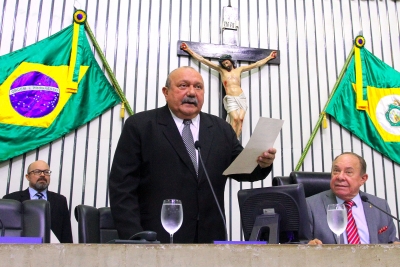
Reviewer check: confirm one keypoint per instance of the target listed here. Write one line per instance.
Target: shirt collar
(32, 193)
(179, 121)
(357, 200)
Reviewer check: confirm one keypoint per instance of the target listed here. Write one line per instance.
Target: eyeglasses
(38, 172)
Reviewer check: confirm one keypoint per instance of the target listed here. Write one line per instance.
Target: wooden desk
(198, 255)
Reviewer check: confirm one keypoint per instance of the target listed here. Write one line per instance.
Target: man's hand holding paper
(266, 158)
(259, 147)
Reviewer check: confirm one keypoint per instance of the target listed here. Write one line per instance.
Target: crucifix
(234, 101)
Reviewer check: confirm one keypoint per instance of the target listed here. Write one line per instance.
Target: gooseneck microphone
(365, 199)
(3, 230)
(197, 146)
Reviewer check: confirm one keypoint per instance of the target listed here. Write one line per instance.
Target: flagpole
(114, 81)
(322, 115)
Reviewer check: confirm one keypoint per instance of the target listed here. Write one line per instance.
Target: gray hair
(363, 164)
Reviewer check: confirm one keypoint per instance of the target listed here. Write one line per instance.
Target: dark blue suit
(151, 164)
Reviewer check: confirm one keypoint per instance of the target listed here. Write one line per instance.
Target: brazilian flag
(49, 89)
(367, 102)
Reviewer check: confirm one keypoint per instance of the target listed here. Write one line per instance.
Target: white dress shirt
(32, 193)
(194, 128)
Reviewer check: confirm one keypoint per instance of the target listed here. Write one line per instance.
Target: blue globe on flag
(34, 94)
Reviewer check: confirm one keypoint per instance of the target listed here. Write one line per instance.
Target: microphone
(3, 230)
(365, 199)
(197, 146)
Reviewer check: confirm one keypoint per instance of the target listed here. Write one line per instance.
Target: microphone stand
(197, 146)
(365, 199)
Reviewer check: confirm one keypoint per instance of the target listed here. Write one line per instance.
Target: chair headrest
(11, 213)
(281, 180)
(313, 182)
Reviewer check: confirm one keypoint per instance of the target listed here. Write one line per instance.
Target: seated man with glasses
(38, 175)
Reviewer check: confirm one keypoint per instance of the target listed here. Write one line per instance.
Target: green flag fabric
(36, 100)
(367, 103)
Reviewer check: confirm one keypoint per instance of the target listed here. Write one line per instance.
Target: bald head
(168, 81)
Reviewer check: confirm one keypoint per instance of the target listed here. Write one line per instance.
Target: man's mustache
(190, 100)
(41, 179)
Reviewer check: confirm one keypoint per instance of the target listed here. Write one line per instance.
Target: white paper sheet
(263, 138)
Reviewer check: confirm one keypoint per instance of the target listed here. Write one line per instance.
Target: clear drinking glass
(171, 216)
(337, 219)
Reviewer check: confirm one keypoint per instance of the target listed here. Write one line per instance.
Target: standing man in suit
(38, 175)
(372, 225)
(151, 163)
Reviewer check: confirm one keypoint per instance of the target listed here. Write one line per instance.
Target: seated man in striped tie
(366, 223)
(38, 175)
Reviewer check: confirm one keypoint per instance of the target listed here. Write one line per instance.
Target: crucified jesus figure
(235, 102)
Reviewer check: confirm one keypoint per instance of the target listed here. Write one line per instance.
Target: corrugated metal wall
(139, 40)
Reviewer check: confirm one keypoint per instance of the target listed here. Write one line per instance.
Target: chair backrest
(313, 182)
(281, 180)
(95, 225)
(30, 218)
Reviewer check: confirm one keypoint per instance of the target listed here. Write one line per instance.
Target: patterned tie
(39, 195)
(351, 229)
(189, 143)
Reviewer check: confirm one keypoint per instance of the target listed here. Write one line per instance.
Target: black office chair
(95, 225)
(30, 218)
(313, 182)
(281, 180)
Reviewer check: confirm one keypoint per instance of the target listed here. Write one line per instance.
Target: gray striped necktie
(189, 143)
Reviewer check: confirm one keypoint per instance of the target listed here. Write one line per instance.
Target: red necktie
(351, 229)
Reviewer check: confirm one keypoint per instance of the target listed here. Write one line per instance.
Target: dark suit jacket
(151, 164)
(376, 219)
(60, 220)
